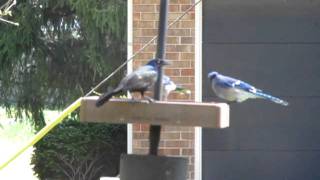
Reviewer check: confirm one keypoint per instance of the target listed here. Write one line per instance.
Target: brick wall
(175, 141)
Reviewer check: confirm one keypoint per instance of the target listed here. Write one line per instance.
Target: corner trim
(198, 90)
(129, 65)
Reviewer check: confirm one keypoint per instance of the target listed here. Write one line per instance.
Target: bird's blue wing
(245, 86)
(224, 81)
(229, 82)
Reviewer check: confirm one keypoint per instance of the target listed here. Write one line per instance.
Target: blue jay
(236, 90)
(168, 86)
(139, 80)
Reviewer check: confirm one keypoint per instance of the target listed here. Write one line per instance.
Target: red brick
(187, 151)
(172, 152)
(143, 24)
(140, 150)
(170, 135)
(136, 1)
(136, 127)
(179, 32)
(187, 40)
(143, 40)
(174, 1)
(172, 40)
(180, 64)
(149, 16)
(180, 48)
(136, 32)
(187, 56)
(174, 8)
(137, 64)
(186, 7)
(192, 63)
(187, 72)
(149, 32)
(178, 129)
(187, 136)
(149, 1)
(174, 16)
(187, 24)
(172, 72)
(161, 144)
(144, 127)
(185, 48)
(172, 56)
(181, 79)
(170, 143)
(192, 31)
(185, 1)
(150, 48)
(171, 48)
(144, 8)
(136, 16)
(174, 25)
(145, 56)
(141, 135)
(141, 143)
(136, 47)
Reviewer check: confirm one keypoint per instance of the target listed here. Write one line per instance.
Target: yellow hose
(44, 131)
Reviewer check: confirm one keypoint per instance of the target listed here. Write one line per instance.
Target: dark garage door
(275, 45)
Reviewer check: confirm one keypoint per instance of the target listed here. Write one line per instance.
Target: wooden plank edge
(223, 115)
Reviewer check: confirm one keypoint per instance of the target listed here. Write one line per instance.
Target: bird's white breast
(231, 94)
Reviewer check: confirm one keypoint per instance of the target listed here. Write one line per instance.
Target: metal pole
(161, 50)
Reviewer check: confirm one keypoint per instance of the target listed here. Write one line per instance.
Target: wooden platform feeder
(123, 111)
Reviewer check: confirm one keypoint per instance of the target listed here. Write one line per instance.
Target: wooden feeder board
(123, 111)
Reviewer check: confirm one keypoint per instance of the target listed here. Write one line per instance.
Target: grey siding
(274, 45)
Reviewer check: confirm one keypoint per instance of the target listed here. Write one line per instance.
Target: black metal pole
(155, 130)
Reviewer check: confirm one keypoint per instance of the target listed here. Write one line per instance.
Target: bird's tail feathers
(271, 98)
(105, 97)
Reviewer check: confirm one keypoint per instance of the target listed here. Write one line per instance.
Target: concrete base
(146, 167)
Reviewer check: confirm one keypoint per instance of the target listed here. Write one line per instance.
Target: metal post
(161, 50)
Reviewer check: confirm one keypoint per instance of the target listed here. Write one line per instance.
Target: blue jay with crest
(235, 90)
(139, 80)
(169, 86)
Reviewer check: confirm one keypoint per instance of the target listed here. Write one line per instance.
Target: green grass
(14, 134)
(16, 131)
